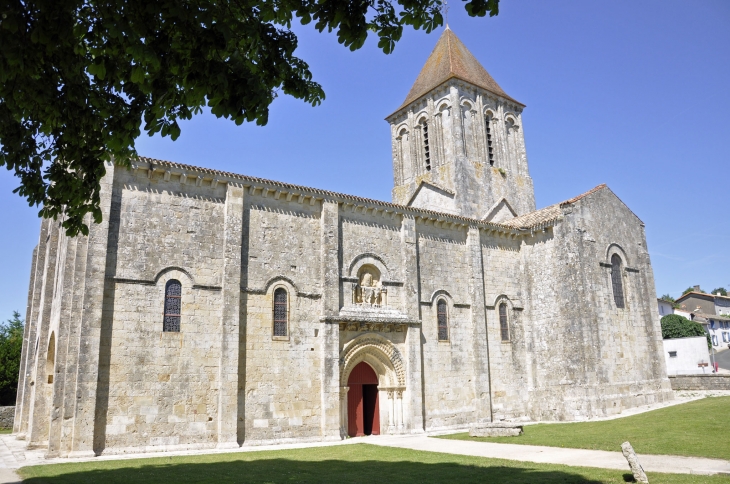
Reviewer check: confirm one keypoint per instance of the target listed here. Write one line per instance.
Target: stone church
(214, 310)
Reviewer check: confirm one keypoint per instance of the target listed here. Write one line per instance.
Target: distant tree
(80, 80)
(676, 326)
(11, 344)
(670, 300)
(689, 289)
(721, 290)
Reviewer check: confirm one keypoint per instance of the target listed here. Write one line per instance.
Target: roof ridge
(448, 41)
(583, 195)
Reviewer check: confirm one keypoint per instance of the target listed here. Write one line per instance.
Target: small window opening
(443, 320)
(280, 312)
(51, 358)
(173, 297)
(672, 354)
(503, 323)
(426, 149)
(616, 282)
(490, 150)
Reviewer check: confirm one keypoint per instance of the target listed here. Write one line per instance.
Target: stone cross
(636, 468)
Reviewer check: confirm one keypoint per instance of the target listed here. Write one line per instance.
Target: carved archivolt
(379, 353)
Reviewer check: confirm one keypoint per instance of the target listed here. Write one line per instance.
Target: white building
(687, 356)
(665, 307)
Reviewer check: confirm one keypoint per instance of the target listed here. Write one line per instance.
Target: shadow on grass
(324, 471)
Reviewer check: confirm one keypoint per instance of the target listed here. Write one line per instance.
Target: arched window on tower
(173, 297)
(503, 322)
(281, 312)
(616, 281)
(442, 316)
(426, 148)
(490, 148)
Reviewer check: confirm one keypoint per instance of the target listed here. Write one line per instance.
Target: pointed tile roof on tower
(450, 58)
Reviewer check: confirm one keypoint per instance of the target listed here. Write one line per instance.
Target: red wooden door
(363, 383)
(355, 427)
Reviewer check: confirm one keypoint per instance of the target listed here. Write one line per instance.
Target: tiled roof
(451, 59)
(539, 218)
(325, 193)
(547, 215)
(694, 293)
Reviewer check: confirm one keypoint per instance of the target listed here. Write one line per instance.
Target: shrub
(676, 326)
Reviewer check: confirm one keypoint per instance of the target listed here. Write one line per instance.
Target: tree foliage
(689, 289)
(676, 326)
(11, 344)
(80, 79)
(721, 290)
(670, 300)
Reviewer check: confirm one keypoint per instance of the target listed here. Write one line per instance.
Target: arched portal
(363, 413)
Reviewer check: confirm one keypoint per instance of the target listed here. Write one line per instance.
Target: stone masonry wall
(282, 239)
(700, 382)
(282, 384)
(7, 416)
(448, 365)
(589, 357)
(163, 385)
(186, 233)
(503, 283)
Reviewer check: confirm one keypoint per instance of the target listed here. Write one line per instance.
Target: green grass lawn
(698, 428)
(6, 431)
(357, 463)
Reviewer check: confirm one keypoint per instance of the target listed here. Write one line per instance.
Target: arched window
(281, 316)
(503, 323)
(616, 282)
(51, 358)
(443, 320)
(173, 295)
(490, 150)
(426, 149)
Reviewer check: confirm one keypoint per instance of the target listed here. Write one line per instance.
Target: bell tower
(458, 145)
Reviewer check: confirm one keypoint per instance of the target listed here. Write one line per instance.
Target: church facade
(213, 310)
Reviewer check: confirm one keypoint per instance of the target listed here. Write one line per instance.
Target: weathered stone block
(636, 469)
(496, 429)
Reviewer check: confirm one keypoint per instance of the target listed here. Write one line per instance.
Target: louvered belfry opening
(363, 412)
(173, 298)
(503, 323)
(490, 149)
(426, 149)
(616, 282)
(443, 320)
(281, 316)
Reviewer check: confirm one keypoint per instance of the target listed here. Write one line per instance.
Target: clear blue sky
(632, 94)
